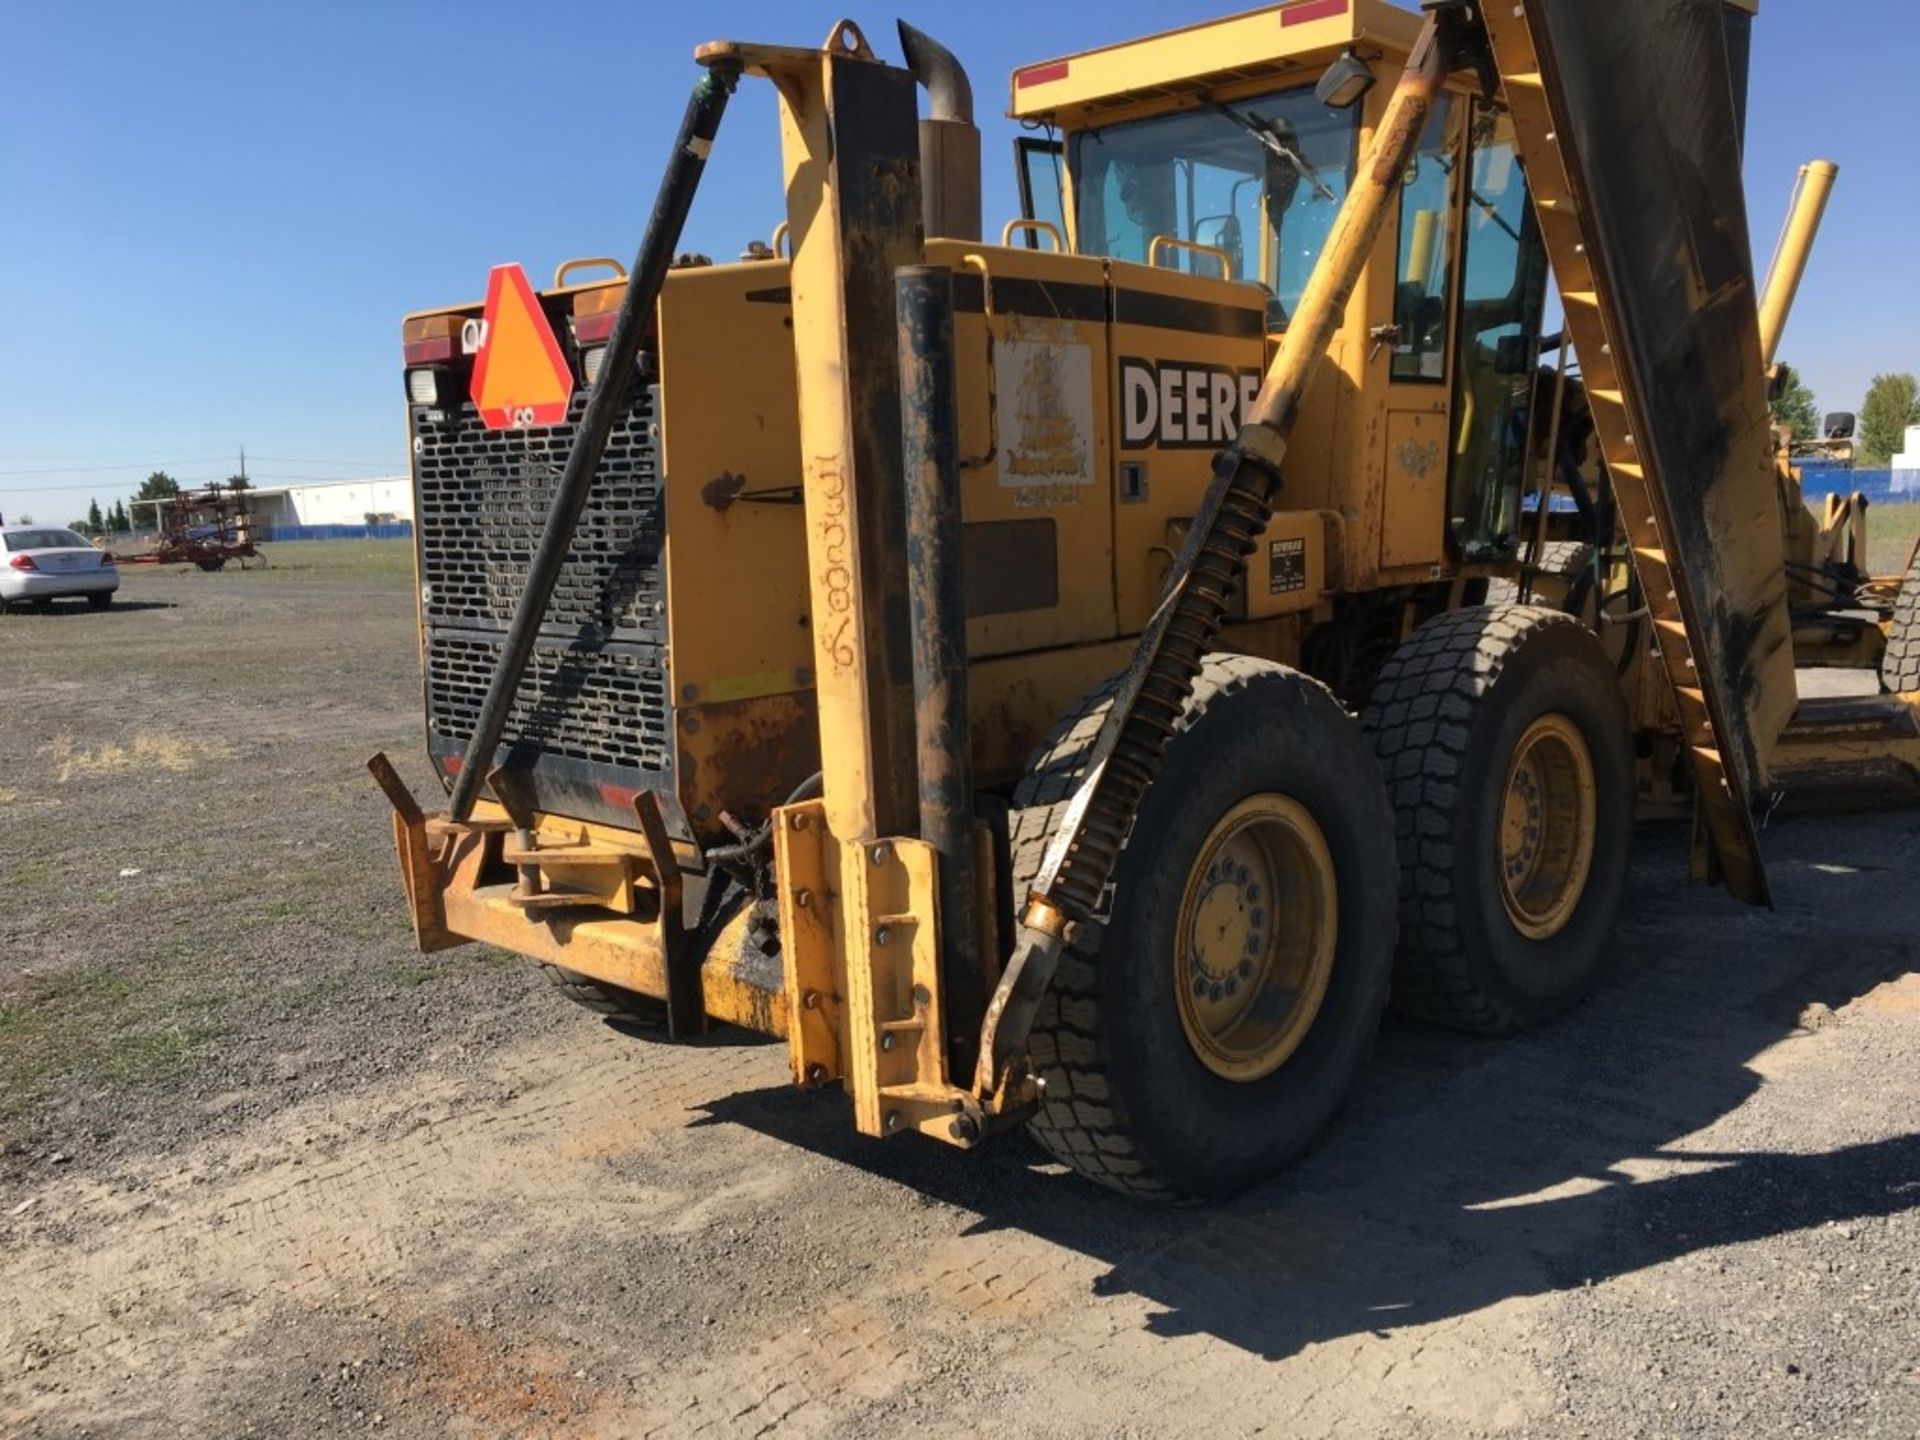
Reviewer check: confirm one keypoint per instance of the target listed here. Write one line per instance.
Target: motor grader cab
(933, 652)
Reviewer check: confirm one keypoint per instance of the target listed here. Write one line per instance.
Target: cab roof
(1296, 38)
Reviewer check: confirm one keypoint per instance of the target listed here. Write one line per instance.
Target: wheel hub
(1547, 817)
(1256, 937)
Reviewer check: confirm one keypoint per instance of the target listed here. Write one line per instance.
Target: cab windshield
(1257, 183)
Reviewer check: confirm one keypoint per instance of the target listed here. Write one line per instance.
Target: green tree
(25, 519)
(1892, 404)
(157, 486)
(95, 524)
(1796, 408)
(118, 521)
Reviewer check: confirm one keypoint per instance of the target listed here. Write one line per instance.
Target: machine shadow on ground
(1466, 1172)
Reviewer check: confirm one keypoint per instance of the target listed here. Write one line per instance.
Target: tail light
(23, 562)
(107, 562)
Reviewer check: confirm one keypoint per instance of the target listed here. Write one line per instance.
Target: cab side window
(1043, 186)
(1423, 292)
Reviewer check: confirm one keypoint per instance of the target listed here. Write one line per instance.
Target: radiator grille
(483, 498)
(604, 704)
(596, 689)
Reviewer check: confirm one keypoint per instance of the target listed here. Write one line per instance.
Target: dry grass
(146, 753)
(1891, 531)
(103, 1025)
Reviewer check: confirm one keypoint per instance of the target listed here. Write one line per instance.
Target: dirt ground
(268, 1172)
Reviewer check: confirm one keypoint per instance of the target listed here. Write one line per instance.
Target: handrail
(1173, 242)
(1040, 227)
(567, 267)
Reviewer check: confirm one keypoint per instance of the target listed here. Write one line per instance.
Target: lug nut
(964, 1129)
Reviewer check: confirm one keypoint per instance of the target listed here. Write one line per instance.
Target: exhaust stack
(949, 140)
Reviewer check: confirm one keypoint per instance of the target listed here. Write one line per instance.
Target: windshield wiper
(1271, 135)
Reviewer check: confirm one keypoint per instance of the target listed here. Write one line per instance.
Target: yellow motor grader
(1054, 681)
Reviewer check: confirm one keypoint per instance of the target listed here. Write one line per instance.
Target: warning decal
(520, 378)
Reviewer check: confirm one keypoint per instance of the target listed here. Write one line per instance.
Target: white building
(1906, 466)
(383, 500)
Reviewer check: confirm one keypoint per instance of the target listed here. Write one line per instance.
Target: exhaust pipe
(949, 140)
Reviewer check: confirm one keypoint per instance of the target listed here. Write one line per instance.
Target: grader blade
(1629, 127)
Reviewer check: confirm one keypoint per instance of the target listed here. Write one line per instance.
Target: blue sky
(215, 214)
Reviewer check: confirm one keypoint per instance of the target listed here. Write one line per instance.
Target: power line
(182, 464)
(188, 482)
(98, 469)
(308, 460)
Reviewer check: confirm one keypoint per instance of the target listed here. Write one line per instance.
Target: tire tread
(1082, 1123)
(1420, 721)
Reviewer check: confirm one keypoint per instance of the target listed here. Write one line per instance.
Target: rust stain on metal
(746, 756)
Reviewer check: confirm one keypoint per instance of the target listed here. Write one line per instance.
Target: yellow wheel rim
(1546, 827)
(1254, 950)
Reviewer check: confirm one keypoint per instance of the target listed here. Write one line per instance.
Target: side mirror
(1347, 80)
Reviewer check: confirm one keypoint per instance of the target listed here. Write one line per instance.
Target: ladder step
(1588, 298)
(596, 855)
(1611, 397)
(1526, 79)
(439, 827)
(553, 900)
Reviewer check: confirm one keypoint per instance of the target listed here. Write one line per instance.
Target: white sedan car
(39, 563)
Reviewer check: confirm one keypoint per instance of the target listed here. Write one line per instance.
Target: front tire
(1205, 1027)
(615, 1002)
(1504, 739)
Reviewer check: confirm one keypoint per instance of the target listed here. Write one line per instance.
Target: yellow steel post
(1810, 197)
(850, 143)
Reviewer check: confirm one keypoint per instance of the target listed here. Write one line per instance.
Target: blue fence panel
(401, 530)
(1883, 487)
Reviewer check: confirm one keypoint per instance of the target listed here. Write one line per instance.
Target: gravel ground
(265, 1171)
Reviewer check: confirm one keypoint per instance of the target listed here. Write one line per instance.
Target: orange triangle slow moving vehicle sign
(520, 378)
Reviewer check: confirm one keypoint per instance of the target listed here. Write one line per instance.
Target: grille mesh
(596, 687)
(483, 497)
(605, 705)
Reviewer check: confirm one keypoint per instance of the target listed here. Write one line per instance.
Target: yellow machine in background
(945, 654)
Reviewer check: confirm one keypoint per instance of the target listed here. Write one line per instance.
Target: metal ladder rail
(1729, 821)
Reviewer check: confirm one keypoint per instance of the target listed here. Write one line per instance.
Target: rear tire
(1504, 740)
(1160, 1094)
(1900, 664)
(1562, 563)
(627, 1007)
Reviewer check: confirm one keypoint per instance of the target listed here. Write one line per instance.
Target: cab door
(1414, 518)
(1503, 290)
